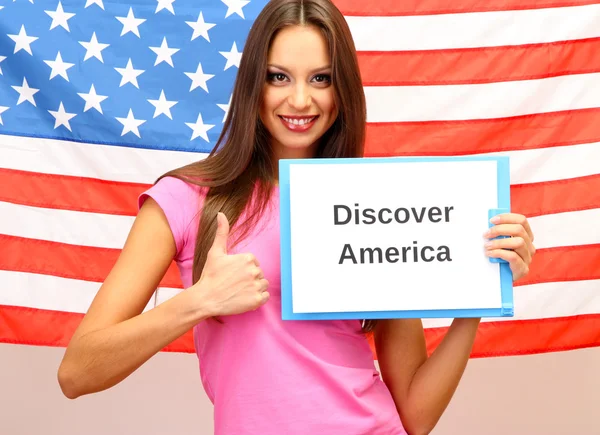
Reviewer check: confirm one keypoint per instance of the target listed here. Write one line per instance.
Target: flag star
(93, 48)
(199, 78)
(235, 7)
(130, 124)
(162, 105)
(233, 57)
(59, 67)
(23, 41)
(129, 74)
(225, 107)
(130, 23)
(200, 27)
(2, 59)
(25, 92)
(165, 4)
(2, 110)
(164, 53)
(199, 128)
(60, 18)
(61, 117)
(94, 2)
(92, 100)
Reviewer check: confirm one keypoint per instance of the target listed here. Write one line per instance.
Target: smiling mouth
(298, 123)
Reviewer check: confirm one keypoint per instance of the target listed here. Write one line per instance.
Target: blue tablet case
(506, 277)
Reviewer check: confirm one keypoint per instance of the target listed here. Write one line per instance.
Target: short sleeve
(180, 202)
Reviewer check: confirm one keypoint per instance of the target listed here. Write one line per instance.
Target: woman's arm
(422, 387)
(114, 338)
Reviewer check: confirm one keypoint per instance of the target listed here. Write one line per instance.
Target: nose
(299, 97)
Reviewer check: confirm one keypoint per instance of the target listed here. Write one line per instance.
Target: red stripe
(66, 261)
(432, 7)
(69, 193)
(570, 263)
(30, 326)
(565, 263)
(21, 325)
(523, 337)
(448, 138)
(558, 196)
(479, 65)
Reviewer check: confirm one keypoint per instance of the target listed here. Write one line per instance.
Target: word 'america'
(343, 215)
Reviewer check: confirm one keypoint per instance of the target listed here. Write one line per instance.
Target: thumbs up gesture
(230, 284)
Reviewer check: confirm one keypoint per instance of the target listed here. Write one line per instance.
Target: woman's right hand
(230, 284)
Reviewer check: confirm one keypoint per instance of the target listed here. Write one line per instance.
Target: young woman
(298, 94)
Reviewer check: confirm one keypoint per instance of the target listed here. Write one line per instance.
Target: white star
(164, 53)
(61, 117)
(199, 78)
(92, 100)
(93, 48)
(25, 92)
(199, 128)
(162, 105)
(130, 124)
(200, 27)
(225, 107)
(165, 4)
(59, 67)
(23, 41)
(235, 7)
(233, 57)
(60, 18)
(94, 2)
(129, 75)
(2, 110)
(2, 59)
(130, 23)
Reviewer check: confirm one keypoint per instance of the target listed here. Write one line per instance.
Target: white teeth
(298, 121)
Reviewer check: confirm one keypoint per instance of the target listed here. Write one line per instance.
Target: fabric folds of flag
(98, 99)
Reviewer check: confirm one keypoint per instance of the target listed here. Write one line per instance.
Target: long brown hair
(241, 164)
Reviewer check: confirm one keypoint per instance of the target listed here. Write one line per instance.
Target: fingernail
(488, 244)
(495, 220)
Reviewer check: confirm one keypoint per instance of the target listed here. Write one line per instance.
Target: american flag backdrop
(98, 98)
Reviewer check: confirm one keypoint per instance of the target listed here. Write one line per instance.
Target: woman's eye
(322, 78)
(277, 77)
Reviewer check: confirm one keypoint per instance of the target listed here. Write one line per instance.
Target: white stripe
(482, 101)
(476, 29)
(105, 162)
(546, 300)
(557, 299)
(64, 226)
(566, 229)
(50, 292)
(553, 163)
(109, 231)
(123, 164)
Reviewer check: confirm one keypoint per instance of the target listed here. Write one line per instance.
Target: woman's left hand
(518, 248)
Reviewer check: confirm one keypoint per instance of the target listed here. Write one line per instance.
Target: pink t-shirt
(268, 376)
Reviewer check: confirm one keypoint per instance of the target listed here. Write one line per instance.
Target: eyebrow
(323, 68)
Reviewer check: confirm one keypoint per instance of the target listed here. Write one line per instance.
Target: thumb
(220, 243)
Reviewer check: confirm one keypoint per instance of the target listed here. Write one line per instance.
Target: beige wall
(553, 394)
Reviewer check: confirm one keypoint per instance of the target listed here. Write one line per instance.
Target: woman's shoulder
(181, 202)
(174, 192)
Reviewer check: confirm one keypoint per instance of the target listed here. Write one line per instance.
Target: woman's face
(298, 104)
